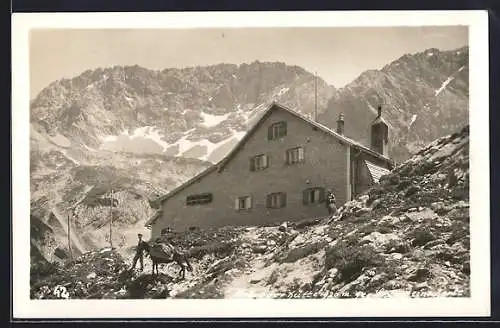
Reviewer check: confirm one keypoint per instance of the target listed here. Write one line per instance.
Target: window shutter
(264, 161)
(283, 129)
(301, 154)
(237, 204)
(252, 164)
(316, 195)
(270, 133)
(321, 195)
(283, 199)
(305, 198)
(268, 201)
(286, 157)
(248, 202)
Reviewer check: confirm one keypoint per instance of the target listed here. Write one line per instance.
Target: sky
(337, 54)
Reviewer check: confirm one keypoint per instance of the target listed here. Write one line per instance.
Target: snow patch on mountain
(445, 83)
(413, 118)
(130, 101)
(71, 158)
(238, 134)
(151, 133)
(282, 91)
(443, 86)
(210, 120)
(60, 140)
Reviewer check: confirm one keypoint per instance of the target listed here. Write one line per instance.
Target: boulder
(283, 227)
(362, 211)
(380, 239)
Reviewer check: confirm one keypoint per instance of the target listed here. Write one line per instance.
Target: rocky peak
(424, 96)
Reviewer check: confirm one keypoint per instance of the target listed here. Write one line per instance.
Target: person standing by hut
(139, 252)
(331, 202)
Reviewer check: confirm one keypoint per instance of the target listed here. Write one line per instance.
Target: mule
(180, 258)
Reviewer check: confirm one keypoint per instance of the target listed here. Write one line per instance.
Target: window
(294, 155)
(259, 162)
(243, 203)
(313, 196)
(276, 131)
(199, 199)
(276, 200)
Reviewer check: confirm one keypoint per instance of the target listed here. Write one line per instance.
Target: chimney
(379, 111)
(340, 124)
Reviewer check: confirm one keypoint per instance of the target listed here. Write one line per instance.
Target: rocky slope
(68, 182)
(408, 236)
(424, 96)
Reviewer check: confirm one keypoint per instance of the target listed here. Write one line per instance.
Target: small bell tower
(380, 134)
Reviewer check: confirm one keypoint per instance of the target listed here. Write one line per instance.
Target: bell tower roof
(379, 119)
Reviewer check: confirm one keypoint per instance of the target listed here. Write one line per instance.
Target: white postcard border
(477, 305)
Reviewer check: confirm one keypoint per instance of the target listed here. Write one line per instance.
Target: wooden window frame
(281, 128)
(199, 199)
(243, 198)
(283, 200)
(253, 159)
(321, 198)
(300, 160)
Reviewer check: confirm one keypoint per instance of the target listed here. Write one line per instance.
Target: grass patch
(350, 260)
(305, 223)
(298, 253)
(421, 237)
(219, 249)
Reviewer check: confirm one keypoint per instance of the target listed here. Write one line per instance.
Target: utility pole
(315, 96)
(69, 240)
(111, 221)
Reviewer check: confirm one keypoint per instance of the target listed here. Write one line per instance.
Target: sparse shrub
(425, 167)
(405, 170)
(367, 229)
(459, 215)
(445, 255)
(457, 234)
(397, 246)
(352, 240)
(273, 277)
(460, 193)
(374, 193)
(391, 178)
(404, 184)
(451, 178)
(364, 242)
(420, 275)
(412, 190)
(385, 229)
(360, 219)
(219, 249)
(300, 252)
(422, 237)
(305, 223)
(350, 261)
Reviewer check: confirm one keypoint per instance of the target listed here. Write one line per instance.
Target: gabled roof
(379, 120)
(153, 218)
(376, 172)
(274, 106)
